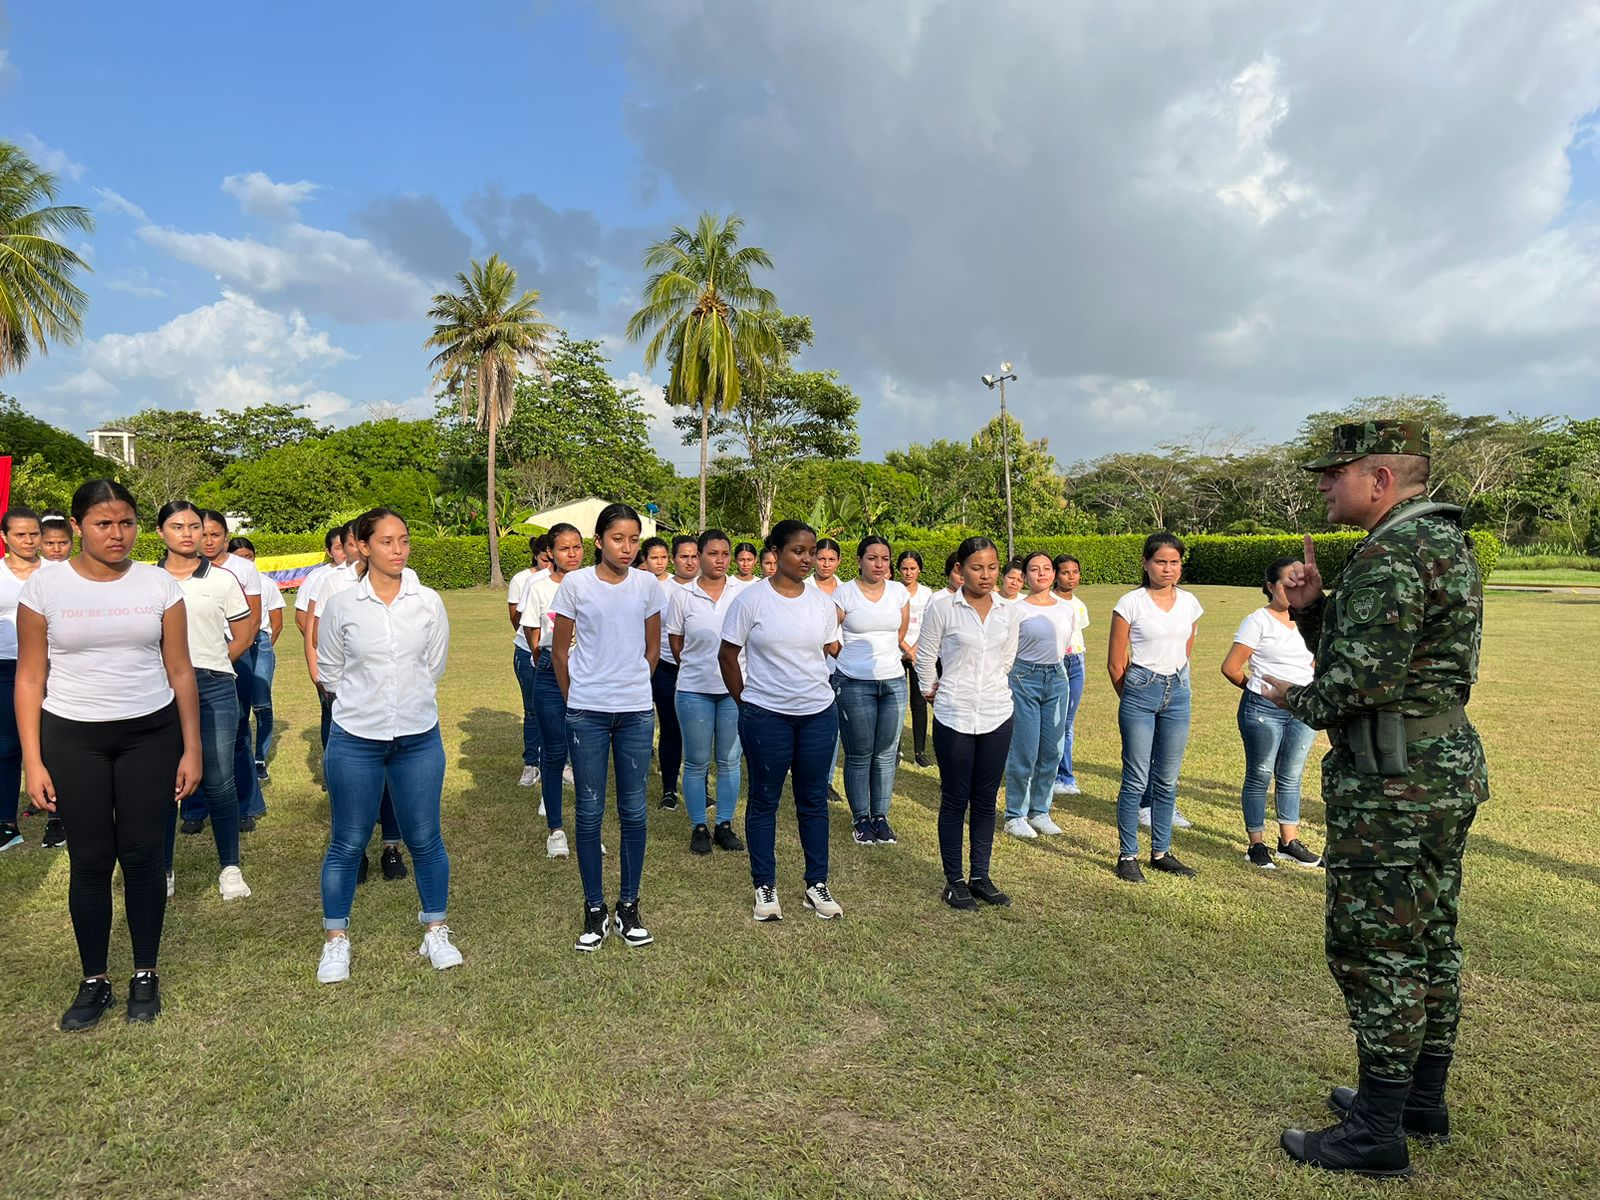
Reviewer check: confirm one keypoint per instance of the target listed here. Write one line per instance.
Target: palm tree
(714, 323)
(38, 299)
(483, 336)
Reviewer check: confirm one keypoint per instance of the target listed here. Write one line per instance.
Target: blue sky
(1201, 227)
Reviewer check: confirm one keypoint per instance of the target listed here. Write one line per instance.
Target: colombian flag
(288, 570)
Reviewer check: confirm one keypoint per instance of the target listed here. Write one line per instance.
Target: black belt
(1417, 728)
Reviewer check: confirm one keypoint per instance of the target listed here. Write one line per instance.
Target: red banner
(5, 492)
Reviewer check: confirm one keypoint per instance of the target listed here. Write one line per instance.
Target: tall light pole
(991, 382)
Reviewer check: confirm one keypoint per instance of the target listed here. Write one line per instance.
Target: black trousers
(114, 795)
(970, 768)
(919, 710)
(664, 687)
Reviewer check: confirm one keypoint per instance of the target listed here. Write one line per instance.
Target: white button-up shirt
(383, 662)
(697, 618)
(974, 693)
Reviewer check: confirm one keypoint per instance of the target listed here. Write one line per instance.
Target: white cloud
(668, 442)
(261, 197)
(57, 162)
(120, 203)
(137, 284)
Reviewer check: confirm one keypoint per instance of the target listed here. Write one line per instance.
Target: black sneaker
(361, 871)
(94, 997)
(882, 831)
(1259, 856)
(1171, 866)
(596, 924)
(957, 895)
(55, 834)
(10, 836)
(144, 998)
(726, 838)
(669, 799)
(922, 759)
(864, 833)
(247, 824)
(983, 888)
(630, 927)
(699, 843)
(261, 772)
(191, 827)
(1128, 870)
(1295, 851)
(394, 867)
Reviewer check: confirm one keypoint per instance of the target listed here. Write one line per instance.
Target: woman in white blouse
(874, 612)
(909, 565)
(1152, 636)
(381, 651)
(974, 637)
(1046, 626)
(1275, 741)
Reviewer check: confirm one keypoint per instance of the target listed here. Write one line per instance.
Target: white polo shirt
(698, 619)
(212, 598)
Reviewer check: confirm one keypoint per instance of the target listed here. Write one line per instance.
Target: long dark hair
(971, 546)
(367, 522)
(241, 543)
(172, 507)
(1157, 541)
(1275, 569)
(866, 543)
(649, 544)
(100, 491)
(212, 515)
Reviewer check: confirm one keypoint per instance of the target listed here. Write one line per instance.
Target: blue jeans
(522, 664)
(10, 743)
(358, 771)
(1154, 720)
(776, 745)
(1038, 727)
(550, 706)
(245, 783)
(871, 714)
(1275, 747)
(219, 718)
(1074, 665)
(710, 724)
(261, 694)
(627, 738)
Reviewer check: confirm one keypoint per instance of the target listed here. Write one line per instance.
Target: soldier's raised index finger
(1310, 552)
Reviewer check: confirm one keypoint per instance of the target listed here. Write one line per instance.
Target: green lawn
(1551, 578)
(1094, 1040)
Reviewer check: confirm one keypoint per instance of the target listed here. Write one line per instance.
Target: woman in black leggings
(909, 564)
(109, 719)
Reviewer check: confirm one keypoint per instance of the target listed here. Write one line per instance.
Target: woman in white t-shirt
(219, 634)
(538, 629)
(613, 611)
(272, 608)
(685, 565)
(707, 715)
(874, 612)
(825, 578)
(909, 564)
(214, 545)
(1152, 635)
(1012, 581)
(1275, 742)
(19, 528)
(522, 663)
(1046, 626)
(788, 717)
(746, 560)
(110, 727)
(1068, 575)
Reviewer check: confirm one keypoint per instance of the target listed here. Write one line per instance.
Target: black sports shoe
(261, 772)
(596, 924)
(361, 871)
(1171, 866)
(630, 926)
(882, 831)
(669, 799)
(1259, 856)
(958, 895)
(247, 824)
(1128, 870)
(144, 998)
(94, 997)
(726, 838)
(863, 833)
(10, 836)
(55, 834)
(922, 759)
(191, 827)
(699, 843)
(1295, 851)
(394, 867)
(983, 888)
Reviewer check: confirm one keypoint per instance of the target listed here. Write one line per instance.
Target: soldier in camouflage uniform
(1396, 643)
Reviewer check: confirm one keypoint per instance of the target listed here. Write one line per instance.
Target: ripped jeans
(1275, 747)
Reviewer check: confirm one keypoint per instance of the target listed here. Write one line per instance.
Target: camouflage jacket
(1402, 628)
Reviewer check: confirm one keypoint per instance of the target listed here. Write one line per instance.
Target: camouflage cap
(1361, 438)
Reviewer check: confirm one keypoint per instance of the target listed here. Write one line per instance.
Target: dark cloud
(419, 232)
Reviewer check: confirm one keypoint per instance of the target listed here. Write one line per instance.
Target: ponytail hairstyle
(99, 491)
(649, 543)
(866, 543)
(17, 512)
(367, 522)
(913, 555)
(611, 514)
(968, 548)
(172, 507)
(785, 532)
(1275, 570)
(560, 529)
(212, 515)
(1027, 561)
(954, 559)
(682, 540)
(241, 543)
(829, 544)
(716, 535)
(741, 547)
(1155, 542)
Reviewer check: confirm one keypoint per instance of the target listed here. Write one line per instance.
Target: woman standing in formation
(109, 760)
(614, 613)
(55, 540)
(769, 564)
(910, 567)
(1046, 626)
(214, 545)
(974, 638)
(1012, 579)
(746, 562)
(19, 528)
(1275, 742)
(708, 715)
(219, 633)
(788, 720)
(538, 627)
(1068, 575)
(664, 681)
(874, 612)
(381, 651)
(1152, 636)
(272, 606)
(522, 662)
(825, 578)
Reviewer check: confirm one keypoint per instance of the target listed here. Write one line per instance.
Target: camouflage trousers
(1394, 888)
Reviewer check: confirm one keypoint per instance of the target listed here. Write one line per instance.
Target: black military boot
(1369, 1142)
(1427, 1117)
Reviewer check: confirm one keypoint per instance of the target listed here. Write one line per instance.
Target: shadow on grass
(1559, 867)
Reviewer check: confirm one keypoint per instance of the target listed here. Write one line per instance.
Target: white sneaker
(335, 964)
(767, 905)
(172, 885)
(1144, 817)
(232, 885)
(1179, 821)
(566, 773)
(541, 806)
(529, 777)
(820, 900)
(1018, 827)
(436, 948)
(1067, 789)
(555, 846)
(1043, 824)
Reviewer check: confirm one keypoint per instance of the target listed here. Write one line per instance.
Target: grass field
(1094, 1040)
(1549, 578)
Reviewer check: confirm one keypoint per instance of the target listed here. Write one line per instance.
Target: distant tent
(583, 514)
